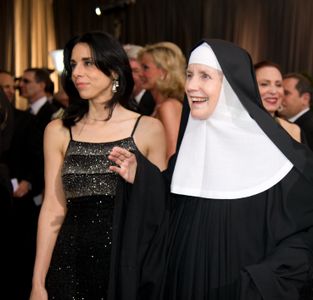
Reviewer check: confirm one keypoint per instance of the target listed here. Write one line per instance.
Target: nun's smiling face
(203, 87)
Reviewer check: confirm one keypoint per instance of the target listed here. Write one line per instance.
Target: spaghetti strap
(135, 126)
(70, 130)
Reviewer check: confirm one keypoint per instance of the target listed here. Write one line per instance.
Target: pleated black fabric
(216, 246)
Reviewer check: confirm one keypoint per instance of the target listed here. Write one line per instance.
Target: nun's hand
(126, 163)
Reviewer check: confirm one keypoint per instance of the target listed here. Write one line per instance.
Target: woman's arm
(170, 114)
(53, 208)
(150, 140)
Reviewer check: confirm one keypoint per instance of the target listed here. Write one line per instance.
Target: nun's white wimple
(204, 55)
(227, 156)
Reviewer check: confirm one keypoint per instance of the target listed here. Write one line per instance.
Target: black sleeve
(281, 275)
(139, 236)
(286, 270)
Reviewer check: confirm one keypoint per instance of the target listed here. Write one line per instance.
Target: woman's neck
(157, 96)
(98, 112)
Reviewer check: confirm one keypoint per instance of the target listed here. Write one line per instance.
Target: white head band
(204, 55)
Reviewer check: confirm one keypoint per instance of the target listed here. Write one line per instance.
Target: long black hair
(6, 122)
(109, 57)
(6, 134)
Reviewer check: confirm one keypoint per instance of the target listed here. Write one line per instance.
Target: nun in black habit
(241, 190)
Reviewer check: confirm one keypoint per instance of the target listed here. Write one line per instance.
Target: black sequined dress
(80, 265)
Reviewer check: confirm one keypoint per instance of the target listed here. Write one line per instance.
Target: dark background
(278, 30)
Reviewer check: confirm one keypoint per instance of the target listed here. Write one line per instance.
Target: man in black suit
(142, 100)
(6, 131)
(24, 160)
(33, 87)
(25, 148)
(296, 103)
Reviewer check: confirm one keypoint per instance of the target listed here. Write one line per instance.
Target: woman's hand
(126, 163)
(23, 189)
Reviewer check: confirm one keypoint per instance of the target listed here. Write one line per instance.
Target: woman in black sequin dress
(82, 228)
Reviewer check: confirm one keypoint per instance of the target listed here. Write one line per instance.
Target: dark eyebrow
(83, 59)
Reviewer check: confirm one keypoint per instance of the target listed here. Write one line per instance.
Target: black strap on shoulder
(70, 130)
(135, 126)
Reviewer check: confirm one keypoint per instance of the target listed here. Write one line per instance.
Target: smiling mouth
(199, 99)
(271, 100)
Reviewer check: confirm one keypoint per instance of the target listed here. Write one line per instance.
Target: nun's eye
(188, 75)
(205, 76)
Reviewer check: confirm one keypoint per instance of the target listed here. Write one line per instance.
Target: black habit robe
(279, 265)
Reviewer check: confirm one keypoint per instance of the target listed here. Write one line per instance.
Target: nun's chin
(200, 114)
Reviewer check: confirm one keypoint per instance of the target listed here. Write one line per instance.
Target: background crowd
(159, 74)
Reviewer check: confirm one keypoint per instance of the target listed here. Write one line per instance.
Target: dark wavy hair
(267, 63)
(6, 122)
(303, 85)
(109, 57)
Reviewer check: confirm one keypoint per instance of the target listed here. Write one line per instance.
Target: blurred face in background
(150, 71)
(271, 87)
(30, 88)
(7, 83)
(292, 103)
(137, 76)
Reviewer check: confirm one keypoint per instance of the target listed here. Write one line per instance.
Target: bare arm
(170, 114)
(150, 139)
(53, 208)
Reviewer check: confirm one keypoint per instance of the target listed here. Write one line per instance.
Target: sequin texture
(80, 264)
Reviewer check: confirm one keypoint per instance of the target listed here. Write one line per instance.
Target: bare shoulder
(56, 134)
(149, 131)
(151, 142)
(150, 126)
(55, 125)
(171, 103)
(293, 129)
(288, 125)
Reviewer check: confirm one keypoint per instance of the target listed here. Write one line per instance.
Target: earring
(115, 85)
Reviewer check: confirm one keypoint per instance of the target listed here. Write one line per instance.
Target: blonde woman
(164, 75)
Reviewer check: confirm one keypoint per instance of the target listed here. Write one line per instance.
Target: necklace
(97, 120)
(88, 117)
(85, 119)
